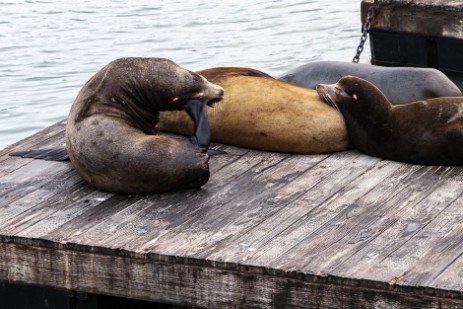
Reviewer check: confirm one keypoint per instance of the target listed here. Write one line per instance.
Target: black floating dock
(421, 33)
(269, 230)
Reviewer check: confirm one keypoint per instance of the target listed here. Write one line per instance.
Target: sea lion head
(154, 84)
(193, 86)
(351, 92)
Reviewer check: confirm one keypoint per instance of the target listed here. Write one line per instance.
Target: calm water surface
(49, 49)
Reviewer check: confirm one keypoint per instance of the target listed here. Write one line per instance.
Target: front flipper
(50, 154)
(197, 111)
(215, 152)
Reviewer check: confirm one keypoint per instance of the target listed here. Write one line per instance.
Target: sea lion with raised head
(399, 84)
(260, 112)
(111, 137)
(426, 132)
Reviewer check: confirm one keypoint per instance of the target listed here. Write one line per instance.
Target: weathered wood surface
(440, 18)
(269, 230)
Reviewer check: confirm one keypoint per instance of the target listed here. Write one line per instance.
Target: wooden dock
(269, 230)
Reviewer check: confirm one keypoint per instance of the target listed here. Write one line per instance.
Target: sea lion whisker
(217, 108)
(331, 101)
(324, 95)
(325, 98)
(321, 93)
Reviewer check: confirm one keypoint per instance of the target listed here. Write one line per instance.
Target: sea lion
(110, 134)
(260, 112)
(399, 84)
(428, 132)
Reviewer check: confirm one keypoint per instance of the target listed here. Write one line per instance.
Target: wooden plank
(426, 255)
(53, 214)
(114, 225)
(451, 277)
(329, 227)
(19, 186)
(406, 226)
(446, 246)
(293, 201)
(169, 204)
(242, 203)
(53, 219)
(182, 208)
(349, 231)
(193, 283)
(440, 18)
(321, 211)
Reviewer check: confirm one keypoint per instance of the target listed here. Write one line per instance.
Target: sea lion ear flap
(354, 96)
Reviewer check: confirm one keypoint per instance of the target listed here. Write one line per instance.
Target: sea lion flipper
(198, 182)
(197, 111)
(49, 154)
(215, 152)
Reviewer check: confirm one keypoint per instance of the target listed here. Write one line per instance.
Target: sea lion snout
(219, 91)
(218, 98)
(326, 93)
(334, 94)
(212, 92)
(320, 88)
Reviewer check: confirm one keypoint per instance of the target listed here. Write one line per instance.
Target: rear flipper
(49, 154)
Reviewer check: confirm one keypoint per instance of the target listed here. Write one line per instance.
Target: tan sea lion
(263, 113)
(422, 132)
(110, 135)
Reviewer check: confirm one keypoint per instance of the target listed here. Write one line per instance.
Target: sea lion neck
(137, 89)
(130, 100)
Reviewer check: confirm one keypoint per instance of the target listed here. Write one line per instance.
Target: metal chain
(366, 29)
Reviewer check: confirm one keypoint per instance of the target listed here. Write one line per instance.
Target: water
(49, 48)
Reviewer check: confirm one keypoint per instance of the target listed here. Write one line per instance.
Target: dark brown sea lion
(422, 132)
(260, 112)
(111, 137)
(399, 84)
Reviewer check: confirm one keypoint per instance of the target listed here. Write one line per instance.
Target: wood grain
(439, 18)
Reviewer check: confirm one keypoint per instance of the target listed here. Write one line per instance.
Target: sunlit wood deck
(269, 230)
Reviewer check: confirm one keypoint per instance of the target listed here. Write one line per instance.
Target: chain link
(366, 29)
